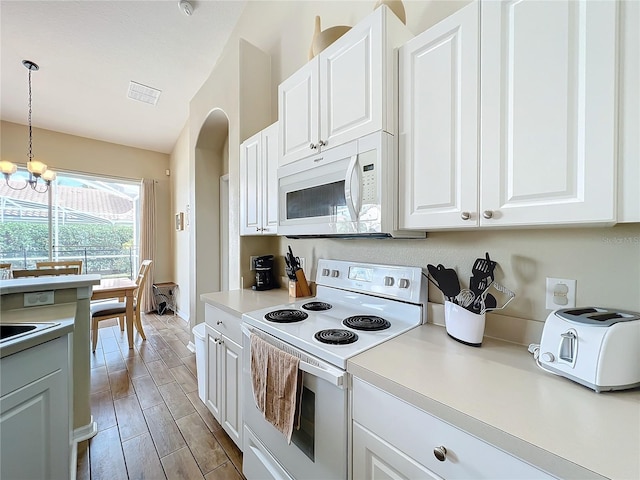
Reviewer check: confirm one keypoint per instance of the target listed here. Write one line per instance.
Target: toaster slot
(568, 347)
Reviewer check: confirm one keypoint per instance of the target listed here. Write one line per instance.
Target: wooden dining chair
(30, 272)
(61, 264)
(118, 309)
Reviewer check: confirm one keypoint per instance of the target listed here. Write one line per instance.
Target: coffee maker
(263, 266)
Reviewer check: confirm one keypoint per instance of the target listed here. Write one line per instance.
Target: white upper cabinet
(259, 183)
(345, 92)
(508, 117)
(439, 124)
(548, 109)
(629, 113)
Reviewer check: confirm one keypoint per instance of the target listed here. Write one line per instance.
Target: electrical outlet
(560, 293)
(35, 299)
(252, 262)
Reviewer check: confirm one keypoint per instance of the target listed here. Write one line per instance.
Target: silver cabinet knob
(219, 322)
(322, 143)
(440, 453)
(487, 214)
(222, 342)
(313, 146)
(465, 215)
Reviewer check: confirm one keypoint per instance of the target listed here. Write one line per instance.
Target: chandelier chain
(30, 133)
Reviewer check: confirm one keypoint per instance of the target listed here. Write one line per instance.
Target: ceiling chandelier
(37, 170)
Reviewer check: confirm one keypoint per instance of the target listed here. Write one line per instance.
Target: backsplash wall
(604, 261)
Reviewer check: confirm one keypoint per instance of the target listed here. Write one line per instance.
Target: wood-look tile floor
(151, 422)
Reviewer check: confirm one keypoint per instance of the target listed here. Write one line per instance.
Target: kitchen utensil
(465, 297)
(501, 291)
(447, 280)
(482, 274)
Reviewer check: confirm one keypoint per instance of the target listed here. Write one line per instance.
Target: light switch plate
(560, 293)
(35, 299)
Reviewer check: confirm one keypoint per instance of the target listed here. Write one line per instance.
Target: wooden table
(118, 288)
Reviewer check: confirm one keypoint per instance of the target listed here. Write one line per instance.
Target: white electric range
(357, 306)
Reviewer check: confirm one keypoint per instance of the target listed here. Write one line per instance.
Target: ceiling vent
(142, 93)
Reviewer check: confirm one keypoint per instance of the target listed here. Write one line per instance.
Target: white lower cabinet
(223, 371)
(35, 412)
(395, 440)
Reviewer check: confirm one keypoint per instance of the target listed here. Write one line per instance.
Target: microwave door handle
(353, 206)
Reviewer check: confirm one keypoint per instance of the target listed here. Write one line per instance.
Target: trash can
(199, 340)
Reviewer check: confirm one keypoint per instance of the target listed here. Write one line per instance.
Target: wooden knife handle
(302, 281)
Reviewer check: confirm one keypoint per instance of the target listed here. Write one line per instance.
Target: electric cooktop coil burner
(286, 316)
(317, 306)
(336, 337)
(369, 323)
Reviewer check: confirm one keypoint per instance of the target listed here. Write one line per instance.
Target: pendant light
(37, 170)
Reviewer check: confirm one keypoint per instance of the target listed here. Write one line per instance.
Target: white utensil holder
(463, 325)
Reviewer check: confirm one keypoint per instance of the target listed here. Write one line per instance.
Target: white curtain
(148, 239)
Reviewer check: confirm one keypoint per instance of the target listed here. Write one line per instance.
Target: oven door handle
(333, 375)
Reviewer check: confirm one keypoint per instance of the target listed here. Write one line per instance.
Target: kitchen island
(497, 394)
(38, 299)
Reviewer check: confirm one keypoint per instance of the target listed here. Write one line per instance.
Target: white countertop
(237, 302)
(47, 282)
(497, 393)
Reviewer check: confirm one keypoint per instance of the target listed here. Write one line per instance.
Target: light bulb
(49, 176)
(36, 168)
(7, 167)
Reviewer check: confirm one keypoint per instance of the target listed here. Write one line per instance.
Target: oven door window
(304, 437)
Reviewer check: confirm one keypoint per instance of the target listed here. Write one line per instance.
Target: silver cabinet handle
(313, 146)
(322, 143)
(487, 214)
(221, 342)
(440, 453)
(219, 322)
(465, 215)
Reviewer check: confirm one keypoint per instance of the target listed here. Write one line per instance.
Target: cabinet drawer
(416, 434)
(223, 322)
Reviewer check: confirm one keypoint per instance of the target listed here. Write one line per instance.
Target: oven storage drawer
(257, 462)
(227, 324)
(415, 435)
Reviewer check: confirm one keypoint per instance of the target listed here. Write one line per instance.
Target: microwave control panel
(369, 184)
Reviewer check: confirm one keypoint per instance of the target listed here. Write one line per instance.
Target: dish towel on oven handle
(277, 385)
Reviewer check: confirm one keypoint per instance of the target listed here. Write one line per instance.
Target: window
(81, 217)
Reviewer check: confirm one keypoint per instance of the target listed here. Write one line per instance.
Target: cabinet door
(35, 415)
(548, 92)
(231, 376)
(351, 84)
(270, 179)
(375, 459)
(439, 93)
(212, 371)
(250, 186)
(298, 114)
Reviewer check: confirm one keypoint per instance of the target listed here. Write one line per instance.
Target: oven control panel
(396, 282)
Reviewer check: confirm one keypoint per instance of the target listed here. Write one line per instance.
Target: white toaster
(597, 347)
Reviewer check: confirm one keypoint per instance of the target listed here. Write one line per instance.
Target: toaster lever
(568, 347)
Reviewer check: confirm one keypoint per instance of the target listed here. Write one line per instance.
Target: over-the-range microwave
(346, 191)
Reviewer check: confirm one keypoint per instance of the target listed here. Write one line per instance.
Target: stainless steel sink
(10, 331)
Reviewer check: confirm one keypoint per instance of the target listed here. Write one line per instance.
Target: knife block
(295, 290)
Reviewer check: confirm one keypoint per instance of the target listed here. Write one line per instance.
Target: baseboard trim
(80, 434)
